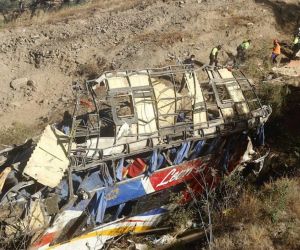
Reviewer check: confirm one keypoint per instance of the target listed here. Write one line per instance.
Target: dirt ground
(51, 53)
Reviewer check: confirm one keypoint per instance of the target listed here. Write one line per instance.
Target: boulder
(16, 84)
(32, 84)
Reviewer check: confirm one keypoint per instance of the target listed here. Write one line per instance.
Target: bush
(280, 197)
(93, 68)
(275, 95)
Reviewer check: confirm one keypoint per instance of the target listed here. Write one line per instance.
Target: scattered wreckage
(135, 137)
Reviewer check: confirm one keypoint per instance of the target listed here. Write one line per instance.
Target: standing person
(276, 52)
(241, 50)
(296, 45)
(213, 57)
(21, 6)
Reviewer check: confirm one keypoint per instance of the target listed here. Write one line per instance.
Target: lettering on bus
(175, 175)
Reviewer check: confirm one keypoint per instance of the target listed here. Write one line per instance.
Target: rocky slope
(51, 51)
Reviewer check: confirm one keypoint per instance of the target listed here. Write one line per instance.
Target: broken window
(124, 105)
(213, 112)
(223, 94)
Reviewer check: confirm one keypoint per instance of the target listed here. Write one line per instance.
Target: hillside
(55, 49)
(42, 56)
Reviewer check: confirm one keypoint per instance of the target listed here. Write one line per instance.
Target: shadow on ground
(287, 14)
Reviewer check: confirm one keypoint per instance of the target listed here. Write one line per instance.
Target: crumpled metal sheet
(49, 160)
(3, 176)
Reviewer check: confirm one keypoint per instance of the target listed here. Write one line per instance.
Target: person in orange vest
(276, 51)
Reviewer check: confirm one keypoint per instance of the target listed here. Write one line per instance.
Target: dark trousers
(241, 54)
(296, 48)
(213, 60)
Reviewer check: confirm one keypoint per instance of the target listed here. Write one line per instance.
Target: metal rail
(168, 135)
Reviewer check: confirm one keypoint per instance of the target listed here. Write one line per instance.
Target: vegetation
(267, 218)
(267, 214)
(16, 134)
(258, 61)
(41, 11)
(264, 214)
(92, 69)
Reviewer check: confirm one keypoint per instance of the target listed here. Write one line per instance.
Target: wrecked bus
(135, 137)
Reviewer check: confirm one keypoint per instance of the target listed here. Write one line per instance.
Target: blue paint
(124, 192)
(97, 208)
(155, 211)
(182, 153)
(119, 169)
(93, 181)
(197, 150)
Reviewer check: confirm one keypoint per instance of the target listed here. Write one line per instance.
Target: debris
(147, 137)
(153, 231)
(164, 240)
(139, 246)
(48, 159)
(174, 243)
(3, 176)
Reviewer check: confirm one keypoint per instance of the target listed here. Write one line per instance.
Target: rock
(63, 99)
(269, 77)
(32, 84)
(15, 104)
(181, 4)
(44, 119)
(16, 84)
(171, 56)
(139, 246)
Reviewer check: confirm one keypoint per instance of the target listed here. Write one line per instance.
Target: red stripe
(135, 220)
(46, 239)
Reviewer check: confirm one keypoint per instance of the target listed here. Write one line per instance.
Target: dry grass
(254, 237)
(281, 199)
(248, 208)
(234, 20)
(275, 95)
(225, 242)
(259, 60)
(163, 39)
(93, 69)
(78, 11)
(264, 219)
(72, 12)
